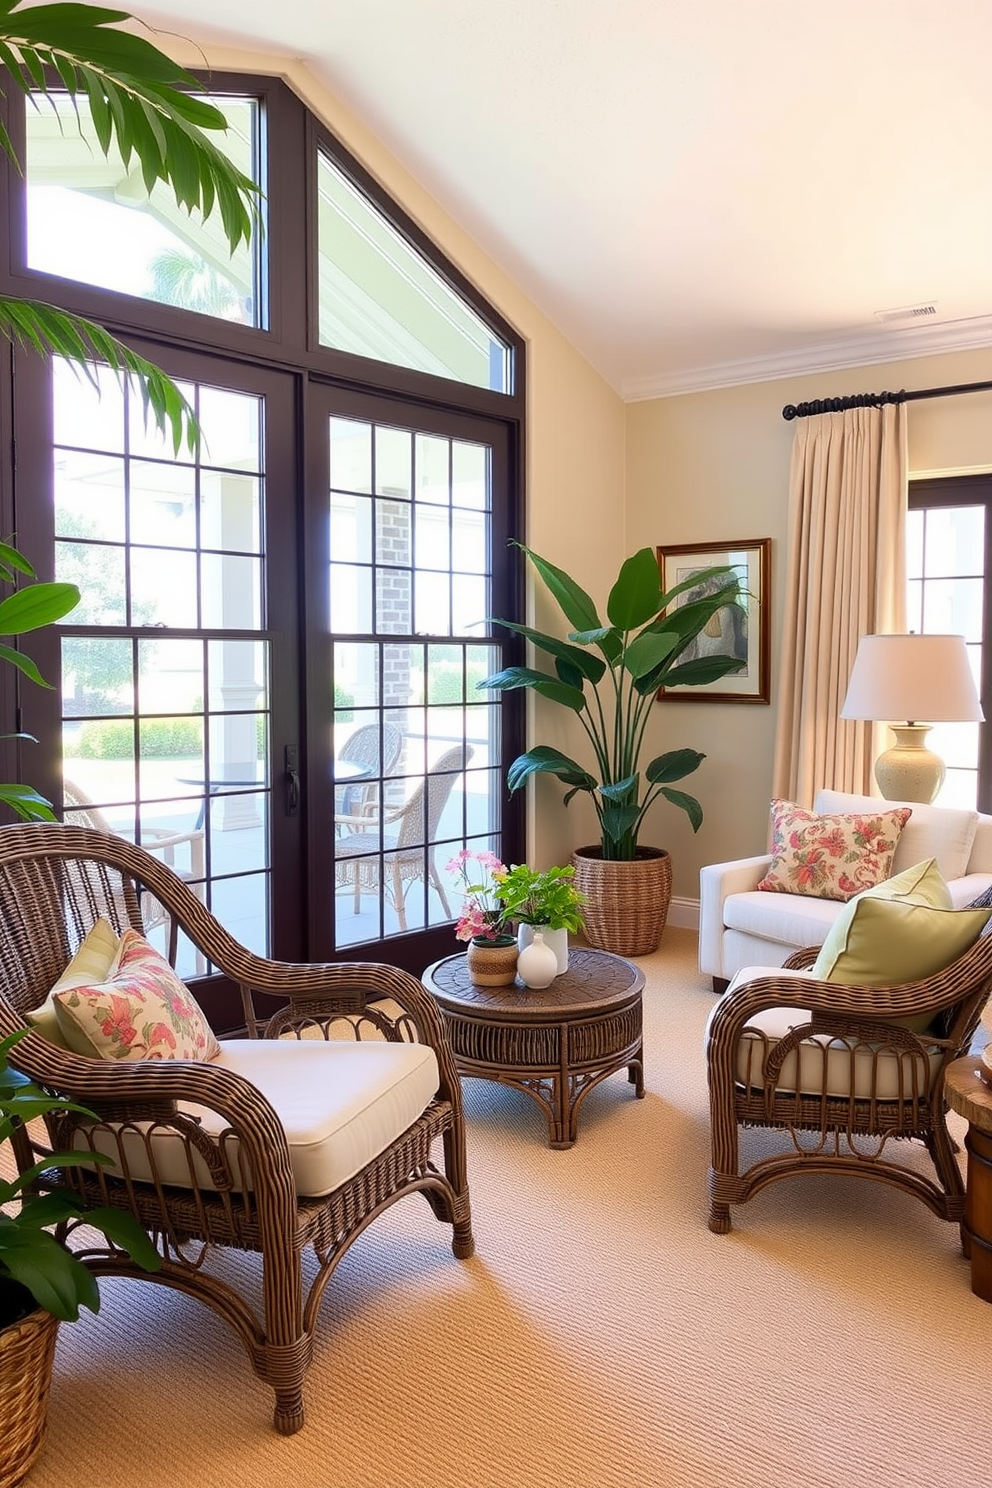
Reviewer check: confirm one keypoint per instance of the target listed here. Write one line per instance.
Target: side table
(968, 1094)
(554, 1044)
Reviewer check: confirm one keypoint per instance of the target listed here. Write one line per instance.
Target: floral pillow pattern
(142, 1011)
(831, 857)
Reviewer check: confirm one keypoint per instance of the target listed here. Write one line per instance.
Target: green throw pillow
(899, 931)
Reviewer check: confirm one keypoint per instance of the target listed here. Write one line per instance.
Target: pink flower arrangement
(483, 915)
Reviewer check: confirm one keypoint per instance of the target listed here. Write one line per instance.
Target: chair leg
(399, 898)
(438, 883)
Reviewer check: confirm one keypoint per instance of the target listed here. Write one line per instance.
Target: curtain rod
(875, 400)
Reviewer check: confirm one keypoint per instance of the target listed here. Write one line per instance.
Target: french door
(271, 682)
(407, 525)
(178, 702)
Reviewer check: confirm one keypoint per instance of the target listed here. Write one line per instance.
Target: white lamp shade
(919, 678)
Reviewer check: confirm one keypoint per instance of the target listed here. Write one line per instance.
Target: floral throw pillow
(831, 857)
(142, 1011)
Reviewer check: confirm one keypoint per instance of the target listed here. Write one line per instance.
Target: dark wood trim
(970, 490)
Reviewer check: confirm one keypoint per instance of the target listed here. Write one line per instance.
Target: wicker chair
(236, 1185)
(358, 797)
(865, 1084)
(406, 855)
(79, 811)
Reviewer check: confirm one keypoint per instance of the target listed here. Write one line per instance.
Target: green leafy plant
(36, 1269)
(28, 608)
(608, 675)
(146, 104)
(541, 896)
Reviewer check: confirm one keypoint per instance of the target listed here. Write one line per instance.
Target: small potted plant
(41, 1281)
(544, 900)
(491, 950)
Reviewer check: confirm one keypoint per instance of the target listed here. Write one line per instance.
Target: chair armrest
(717, 882)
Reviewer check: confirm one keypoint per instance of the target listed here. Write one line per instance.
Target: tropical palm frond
(138, 98)
(81, 342)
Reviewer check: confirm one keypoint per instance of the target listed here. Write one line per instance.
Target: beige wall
(715, 466)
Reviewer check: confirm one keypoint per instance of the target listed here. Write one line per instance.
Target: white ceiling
(697, 192)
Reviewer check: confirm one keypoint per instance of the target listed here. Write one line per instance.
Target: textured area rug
(600, 1338)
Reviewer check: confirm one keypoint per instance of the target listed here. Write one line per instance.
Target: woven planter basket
(27, 1350)
(626, 903)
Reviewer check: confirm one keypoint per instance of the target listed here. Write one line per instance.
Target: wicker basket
(27, 1351)
(626, 904)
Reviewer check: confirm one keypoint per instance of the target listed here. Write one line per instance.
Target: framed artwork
(741, 630)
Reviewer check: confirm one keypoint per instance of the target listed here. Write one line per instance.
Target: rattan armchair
(846, 1087)
(238, 1187)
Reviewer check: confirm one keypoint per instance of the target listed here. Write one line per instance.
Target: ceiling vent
(907, 312)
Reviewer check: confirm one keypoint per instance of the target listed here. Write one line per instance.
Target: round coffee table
(969, 1095)
(555, 1044)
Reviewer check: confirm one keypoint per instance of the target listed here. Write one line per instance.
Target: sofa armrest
(717, 881)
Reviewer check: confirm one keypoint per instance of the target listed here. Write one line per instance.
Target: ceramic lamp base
(909, 771)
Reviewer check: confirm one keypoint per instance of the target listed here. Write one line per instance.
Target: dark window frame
(970, 490)
(287, 345)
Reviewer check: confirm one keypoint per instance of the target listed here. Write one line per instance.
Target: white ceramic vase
(537, 964)
(556, 939)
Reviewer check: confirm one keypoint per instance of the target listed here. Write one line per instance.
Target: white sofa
(740, 926)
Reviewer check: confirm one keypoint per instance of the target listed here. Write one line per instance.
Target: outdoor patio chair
(836, 1068)
(362, 748)
(294, 1138)
(368, 854)
(79, 811)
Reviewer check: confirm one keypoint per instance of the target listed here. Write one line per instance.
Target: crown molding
(852, 351)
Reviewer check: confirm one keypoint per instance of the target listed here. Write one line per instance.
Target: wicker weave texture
(54, 883)
(27, 1352)
(858, 1133)
(626, 904)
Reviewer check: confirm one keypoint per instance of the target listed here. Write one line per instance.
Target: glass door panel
(412, 516)
(165, 664)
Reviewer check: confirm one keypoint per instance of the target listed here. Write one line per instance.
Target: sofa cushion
(140, 1011)
(340, 1105)
(877, 1070)
(943, 832)
(91, 963)
(833, 856)
(791, 920)
(900, 931)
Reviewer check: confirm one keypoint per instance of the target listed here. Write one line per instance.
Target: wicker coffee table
(554, 1044)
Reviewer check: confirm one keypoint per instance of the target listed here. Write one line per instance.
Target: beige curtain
(846, 578)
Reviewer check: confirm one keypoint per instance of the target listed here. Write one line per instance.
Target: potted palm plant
(41, 1282)
(609, 675)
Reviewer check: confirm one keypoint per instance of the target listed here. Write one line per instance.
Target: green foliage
(145, 104)
(645, 646)
(31, 606)
(541, 897)
(30, 1256)
(161, 738)
(344, 702)
(444, 681)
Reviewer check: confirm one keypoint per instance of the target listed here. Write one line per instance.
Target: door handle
(291, 778)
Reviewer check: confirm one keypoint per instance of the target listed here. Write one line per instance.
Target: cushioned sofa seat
(886, 1073)
(340, 1104)
(740, 926)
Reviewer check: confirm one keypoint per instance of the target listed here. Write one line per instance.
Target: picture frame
(748, 633)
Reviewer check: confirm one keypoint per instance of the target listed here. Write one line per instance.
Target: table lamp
(912, 677)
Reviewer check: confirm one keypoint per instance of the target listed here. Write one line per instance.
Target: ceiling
(696, 192)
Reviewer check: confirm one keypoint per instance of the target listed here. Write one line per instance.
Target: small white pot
(537, 964)
(556, 939)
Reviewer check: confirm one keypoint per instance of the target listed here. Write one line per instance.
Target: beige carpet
(600, 1338)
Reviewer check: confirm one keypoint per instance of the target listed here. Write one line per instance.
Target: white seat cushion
(340, 1104)
(786, 919)
(896, 1072)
